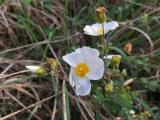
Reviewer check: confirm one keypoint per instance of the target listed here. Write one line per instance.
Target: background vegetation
(32, 30)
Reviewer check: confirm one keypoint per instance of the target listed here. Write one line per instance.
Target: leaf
(26, 2)
(118, 50)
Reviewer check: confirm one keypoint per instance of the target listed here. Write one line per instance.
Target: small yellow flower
(109, 87)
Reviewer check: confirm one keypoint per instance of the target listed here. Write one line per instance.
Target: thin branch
(21, 110)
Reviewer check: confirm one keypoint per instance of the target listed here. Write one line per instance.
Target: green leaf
(26, 2)
(118, 50)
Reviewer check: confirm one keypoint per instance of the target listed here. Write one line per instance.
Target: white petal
(71, 77)
(89, 53)
(98, 26)
(107, 27)
(92, 30)
(93, 34)
(96, 65)
(96, 69)
(32, 68)
(110, 25)
(109, 57)
(73, 58)
(83, 86)
(89, 30)
(95, 26)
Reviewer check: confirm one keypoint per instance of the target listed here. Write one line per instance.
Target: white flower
(97, 29)
(85, 66)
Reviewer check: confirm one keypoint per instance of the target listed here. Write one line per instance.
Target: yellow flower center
(99, 30)
(81, 69)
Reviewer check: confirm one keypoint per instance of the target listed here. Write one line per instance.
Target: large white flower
(85, 66)
(97, 29)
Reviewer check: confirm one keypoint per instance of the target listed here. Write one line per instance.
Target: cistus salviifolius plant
(90, 62)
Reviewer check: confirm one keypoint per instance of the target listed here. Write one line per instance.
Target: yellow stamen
(99, 30)
(81, 69)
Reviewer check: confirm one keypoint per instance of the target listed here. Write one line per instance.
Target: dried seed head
(101, 9)
(52, 63)
(128, 48)
(101, 14)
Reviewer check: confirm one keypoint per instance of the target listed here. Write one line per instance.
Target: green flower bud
(109, 87)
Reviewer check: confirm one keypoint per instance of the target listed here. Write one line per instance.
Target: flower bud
(128, 48)
(119, 118)
(109, 87)
(147, 114)
(116, 59)
(53, 63)
(38, 70)
(101, 14)
(124, 72)
(132, 112)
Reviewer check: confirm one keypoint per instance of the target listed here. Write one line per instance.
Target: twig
(21, 110)
(21, 104)
(139, 4)
(12, 74)
(55, 100)
(83, 114)
(36, 44)
(146, 35)
(64, 101)
(90, 113)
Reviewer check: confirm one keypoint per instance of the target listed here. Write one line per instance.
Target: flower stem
(104, 45)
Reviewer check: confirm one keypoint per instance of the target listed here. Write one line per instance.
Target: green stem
(104, 49)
